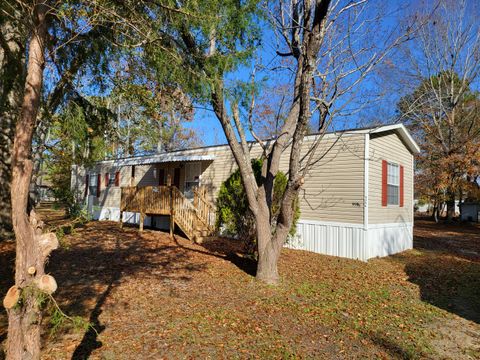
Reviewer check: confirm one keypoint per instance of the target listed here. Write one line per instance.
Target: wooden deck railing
(184, 213)
(205, 210)
(168, 200)
(148, 199)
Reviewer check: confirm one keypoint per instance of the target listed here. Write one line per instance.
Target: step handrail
(169, 200)
(205, 209)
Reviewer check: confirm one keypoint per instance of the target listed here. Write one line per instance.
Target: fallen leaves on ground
(148, 296)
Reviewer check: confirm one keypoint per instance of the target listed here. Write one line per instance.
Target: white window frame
(93, 179)
(393, 181)
(193, 174)
(111, 178)
(92, 183)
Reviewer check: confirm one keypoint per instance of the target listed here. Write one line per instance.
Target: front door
(161, 177)
(176, 178)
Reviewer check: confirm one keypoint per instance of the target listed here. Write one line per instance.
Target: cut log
(31, 270)
(47, 284)
(48, 243)
(13, 294)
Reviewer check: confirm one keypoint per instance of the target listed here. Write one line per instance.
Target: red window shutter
(99, 181)
(401, 186)
(86, 185)
(384, 182)
(106, 179)
(117, 178)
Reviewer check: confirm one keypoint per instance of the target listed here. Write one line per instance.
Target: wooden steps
(196, 219)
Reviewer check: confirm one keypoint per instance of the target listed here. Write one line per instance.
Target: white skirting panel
(113, 214)
(106, 213)
(336, 239)
(352, 241)
(389, 239)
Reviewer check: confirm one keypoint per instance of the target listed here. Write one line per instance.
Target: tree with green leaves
(150, 117)
(77, 138)
(12, 75)
(71, 45)
(65, 36)
(234, 217)
(315, 43)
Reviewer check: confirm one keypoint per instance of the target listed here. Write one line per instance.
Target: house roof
(180, 156)
(159, 158)
(404, 134)
(400, 130)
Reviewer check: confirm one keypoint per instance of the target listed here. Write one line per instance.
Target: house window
(393, 184)
(111, 179)
(193, 171)
(93, 185)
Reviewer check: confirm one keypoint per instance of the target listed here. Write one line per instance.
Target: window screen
(393, 184)
(111, 178)
(92, 186)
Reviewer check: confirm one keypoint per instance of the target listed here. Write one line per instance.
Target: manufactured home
(470, 211)
(356, 201)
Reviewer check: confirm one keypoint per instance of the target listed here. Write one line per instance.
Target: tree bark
(268, 252)
(450, 205)
(12, 61)
(435, 211)
(24, 320)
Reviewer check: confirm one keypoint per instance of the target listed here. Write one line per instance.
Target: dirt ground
(147, 296)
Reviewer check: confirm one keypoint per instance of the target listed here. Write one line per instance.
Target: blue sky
(392, 79)
(386, 80)
(207, 125)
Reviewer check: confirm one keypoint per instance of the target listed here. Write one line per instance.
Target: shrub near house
(234, 217)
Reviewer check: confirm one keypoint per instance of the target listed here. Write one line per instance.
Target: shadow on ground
(447, 266)
(99, 258)
(232, 251)
(104, 255)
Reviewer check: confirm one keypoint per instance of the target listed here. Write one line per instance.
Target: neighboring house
(356, 201)
(422, 208)
(43, 191)
(470, 211)
(427, 208)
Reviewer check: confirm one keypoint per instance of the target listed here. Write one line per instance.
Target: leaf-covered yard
(150, 297)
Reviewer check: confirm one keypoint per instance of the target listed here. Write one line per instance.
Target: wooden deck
(196, 219)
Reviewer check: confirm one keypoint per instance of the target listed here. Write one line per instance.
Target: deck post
(172, 211)
(142, 218)
(121, 219)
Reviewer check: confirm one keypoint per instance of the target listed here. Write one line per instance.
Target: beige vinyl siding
(216, 172)
(388, 146)
(333, 188)
(109, 195)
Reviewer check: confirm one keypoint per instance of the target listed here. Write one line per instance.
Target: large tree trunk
(12, 61)
(306, 42)
(450, 205)
(24, 318)
(268, 250)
